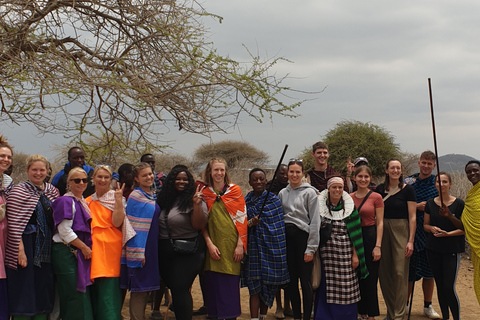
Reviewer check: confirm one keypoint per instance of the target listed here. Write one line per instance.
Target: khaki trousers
(393, 269)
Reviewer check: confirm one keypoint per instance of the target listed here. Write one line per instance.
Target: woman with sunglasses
(139, 263)
(226, 240)
(29, 243)
(302, 222)
(71, 249)
(107, 209)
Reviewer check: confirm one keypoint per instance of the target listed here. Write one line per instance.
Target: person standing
(471, 222)
(139, 262)
(302, 225)
(107, 209)
(29, 243)
(342, 256)
(181, 247)
(371, 209)
(71, 249)
(423, 183)
(318, 176)
(280, 182)
(445, 243)
(76, 158)
(226, 240)
(6, 185)
(399, 225)
(265, 268)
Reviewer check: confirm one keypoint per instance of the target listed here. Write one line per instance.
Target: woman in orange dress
(108, 212)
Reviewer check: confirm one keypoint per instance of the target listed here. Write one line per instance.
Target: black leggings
(444, 267)
(298, 269)
(178, 271)
(368, 287)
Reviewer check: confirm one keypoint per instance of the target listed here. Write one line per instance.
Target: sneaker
(279, 314)
(430, 313)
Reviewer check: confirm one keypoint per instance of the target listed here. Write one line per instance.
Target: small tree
(234, 152)
(350, 138)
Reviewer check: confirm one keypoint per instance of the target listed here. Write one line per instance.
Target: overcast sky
(373, 57)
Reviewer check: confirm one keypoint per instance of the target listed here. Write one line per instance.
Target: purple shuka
(69, 208)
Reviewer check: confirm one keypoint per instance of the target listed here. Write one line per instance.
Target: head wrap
(334, 180)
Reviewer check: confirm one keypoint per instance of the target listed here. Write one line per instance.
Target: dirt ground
(470, 309)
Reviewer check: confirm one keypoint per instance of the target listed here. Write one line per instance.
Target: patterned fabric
(140, 211)
(235, 205)
(158, 178)
(43, 248)
(319, 179)
(341, 279)
(6, 186)
(352, 222)
(21, 203)
(267, 248)
(424, 190)
(471, 222)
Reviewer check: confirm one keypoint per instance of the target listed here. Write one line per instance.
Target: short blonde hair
(76, 170)
(35, 158)
(102, 167)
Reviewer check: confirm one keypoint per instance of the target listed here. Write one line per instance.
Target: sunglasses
(78, 180)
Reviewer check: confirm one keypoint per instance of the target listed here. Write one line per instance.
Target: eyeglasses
(78, 180)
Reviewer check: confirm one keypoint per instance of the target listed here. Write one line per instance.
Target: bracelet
(378, 247)
(249, 223)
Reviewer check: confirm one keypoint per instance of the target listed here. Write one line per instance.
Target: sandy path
(470, 309)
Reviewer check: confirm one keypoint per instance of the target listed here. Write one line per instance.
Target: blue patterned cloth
(267, 249)
(424, 190)
(43, 246)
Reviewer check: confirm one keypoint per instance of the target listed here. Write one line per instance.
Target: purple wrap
(69, 208)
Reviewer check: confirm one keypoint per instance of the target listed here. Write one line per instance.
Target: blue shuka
(140, 212)
(267, 249)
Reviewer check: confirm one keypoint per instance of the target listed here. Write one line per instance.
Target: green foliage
(237, 154)
(350, 138)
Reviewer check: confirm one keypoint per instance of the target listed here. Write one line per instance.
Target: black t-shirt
(396, 206)
(445, 244)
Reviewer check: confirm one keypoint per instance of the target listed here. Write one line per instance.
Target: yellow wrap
(471, 222)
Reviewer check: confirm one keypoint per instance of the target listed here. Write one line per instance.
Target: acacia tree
(139, 67)
(350, 138)
(235, 153)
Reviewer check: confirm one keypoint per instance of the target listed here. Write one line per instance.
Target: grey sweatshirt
(300, 207)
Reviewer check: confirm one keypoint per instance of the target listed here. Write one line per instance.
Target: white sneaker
(430, 313)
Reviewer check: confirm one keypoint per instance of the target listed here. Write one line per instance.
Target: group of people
(93, 234)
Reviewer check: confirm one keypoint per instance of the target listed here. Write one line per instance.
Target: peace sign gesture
(119, 191)
(198, 196)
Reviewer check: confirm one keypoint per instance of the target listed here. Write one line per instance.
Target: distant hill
(453, 162)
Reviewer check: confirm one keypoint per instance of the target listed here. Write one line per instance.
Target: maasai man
(266, 264)
(471, 221)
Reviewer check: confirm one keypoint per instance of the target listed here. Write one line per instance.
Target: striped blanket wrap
(21, 203)
(140, 211)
